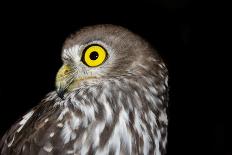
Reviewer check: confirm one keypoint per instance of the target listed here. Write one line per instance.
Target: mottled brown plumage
(118, 107)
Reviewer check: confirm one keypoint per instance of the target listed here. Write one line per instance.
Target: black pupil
(93, 55)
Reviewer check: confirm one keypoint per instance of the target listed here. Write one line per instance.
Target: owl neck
(127, 91)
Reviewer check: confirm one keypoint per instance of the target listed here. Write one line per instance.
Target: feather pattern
(98, 119)
(122, 113)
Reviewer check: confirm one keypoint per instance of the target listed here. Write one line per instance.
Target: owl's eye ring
(94, 55)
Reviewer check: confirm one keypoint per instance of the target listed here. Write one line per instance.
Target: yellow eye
(94, 55)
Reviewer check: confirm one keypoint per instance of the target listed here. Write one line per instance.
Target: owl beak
(64, 78)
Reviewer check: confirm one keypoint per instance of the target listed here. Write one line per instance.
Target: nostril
(63, 72)
(66, 72)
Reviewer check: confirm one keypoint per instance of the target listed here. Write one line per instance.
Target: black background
(184, 34)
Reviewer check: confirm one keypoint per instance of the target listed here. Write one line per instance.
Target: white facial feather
(72, 53)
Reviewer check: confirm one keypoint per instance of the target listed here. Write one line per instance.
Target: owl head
(101, 52)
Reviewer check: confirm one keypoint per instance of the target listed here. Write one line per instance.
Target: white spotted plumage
(24, 120)
(120, 110)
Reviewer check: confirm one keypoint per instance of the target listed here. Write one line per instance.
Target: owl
(111, 98)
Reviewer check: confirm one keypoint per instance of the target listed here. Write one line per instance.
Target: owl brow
(72, 49)
(68, 53)
(93, 41)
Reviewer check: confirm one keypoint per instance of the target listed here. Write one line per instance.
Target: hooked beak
(64, 78)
